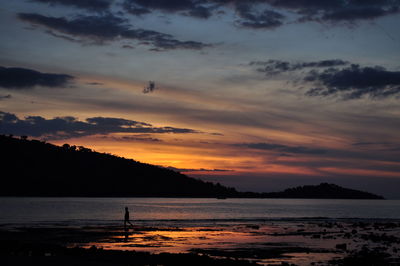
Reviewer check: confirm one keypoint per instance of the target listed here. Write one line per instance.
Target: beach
(284, 242)
(190, 231)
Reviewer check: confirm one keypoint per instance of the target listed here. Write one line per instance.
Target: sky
(260, 95)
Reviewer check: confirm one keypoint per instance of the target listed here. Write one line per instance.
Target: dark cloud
(252, 18)
(194, 8)
(338, 78)
(139, 138)
(370, 143)
(134, 9)
(382, 146)
(23, 78)
(200, 12)
(255, 14)
(355, 82)
(282, 148)
(267, 14)
(69, 127)
(277, 66)
(353, 14)
(196, 170)
(170, 5)
(128, 46)
(4, 97)
(337, 11)
(98, 29)
(91, 5)
(150, 87)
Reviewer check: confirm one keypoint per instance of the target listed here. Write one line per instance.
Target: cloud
(4, 97)
(196, 170)
(282, 148)
(252, 18)
(337, 77)
(198, 9)
(355, 82)
(254, 14)
(23, 78)
(338, 11)
(98, 29)
(150, 87)
(200, 12)
(90, 5)
(278, 66)
(352, 14)
(267, 14)
(139, 138)
(370, 143)
(69, 127)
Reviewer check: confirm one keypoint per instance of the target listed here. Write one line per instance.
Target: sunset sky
(260, 94)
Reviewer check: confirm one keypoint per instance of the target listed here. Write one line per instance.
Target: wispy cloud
(282, 148)
(90, 5)
(98, 29)
(271, 67)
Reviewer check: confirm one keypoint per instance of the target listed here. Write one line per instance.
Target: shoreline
(185, 197)
(300, 242)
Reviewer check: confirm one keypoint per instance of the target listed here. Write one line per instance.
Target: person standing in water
(126, 220)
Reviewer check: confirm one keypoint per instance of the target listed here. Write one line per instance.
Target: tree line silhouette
(37, 168)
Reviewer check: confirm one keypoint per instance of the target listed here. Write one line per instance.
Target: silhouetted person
(126, 220)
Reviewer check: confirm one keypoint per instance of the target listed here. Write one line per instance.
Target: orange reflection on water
(180, 240)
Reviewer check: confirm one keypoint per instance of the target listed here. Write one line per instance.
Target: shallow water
(268, 231)
(186, 211)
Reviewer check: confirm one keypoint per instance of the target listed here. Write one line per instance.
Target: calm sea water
(178, 210)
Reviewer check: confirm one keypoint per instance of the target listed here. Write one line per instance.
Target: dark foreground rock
(367, 257)
(17, 253)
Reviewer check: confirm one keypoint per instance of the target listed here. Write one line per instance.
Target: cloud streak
(90, 5)
(197, 9)
(70, 127)
(272, 66)
(197, 169)
(282, 148)
(24, 78)
(99, 29)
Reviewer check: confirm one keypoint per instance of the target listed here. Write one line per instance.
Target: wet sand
(297, 242)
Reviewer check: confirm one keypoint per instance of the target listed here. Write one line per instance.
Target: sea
(187, 211)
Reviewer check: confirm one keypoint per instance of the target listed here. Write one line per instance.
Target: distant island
(37, 168)
(321, 191)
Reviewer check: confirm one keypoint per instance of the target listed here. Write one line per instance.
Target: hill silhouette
(37, 168)
(322, 191)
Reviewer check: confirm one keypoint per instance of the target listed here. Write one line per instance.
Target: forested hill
(322, 191)
(36, 168)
